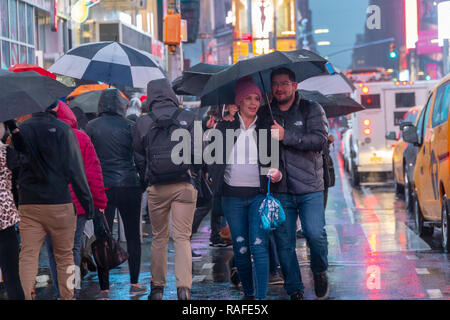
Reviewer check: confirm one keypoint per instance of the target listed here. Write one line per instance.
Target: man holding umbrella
(301, 127)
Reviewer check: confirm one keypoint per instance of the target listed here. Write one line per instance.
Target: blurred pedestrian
(45, 202)
(95, 180)
(9, 217)
(170, 186)
(112, 137)
(238, 181)
(134, 109)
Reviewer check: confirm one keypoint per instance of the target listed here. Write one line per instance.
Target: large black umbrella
(194, 79)
(335, 105)
(27, 92)
(303, 63)
(88, 102)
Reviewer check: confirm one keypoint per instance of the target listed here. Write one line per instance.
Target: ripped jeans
(248, 239)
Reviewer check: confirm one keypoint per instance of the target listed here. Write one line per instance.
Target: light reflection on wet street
(373, 254)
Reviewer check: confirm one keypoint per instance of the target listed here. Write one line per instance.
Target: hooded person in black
(169, 192)
(112, 137)
(45, 202)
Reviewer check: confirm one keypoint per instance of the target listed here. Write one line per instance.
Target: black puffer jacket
(55, 162)
(301, 148)
(112, 137)
(162, 102)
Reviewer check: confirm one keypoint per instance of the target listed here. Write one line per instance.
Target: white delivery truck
(374, 131)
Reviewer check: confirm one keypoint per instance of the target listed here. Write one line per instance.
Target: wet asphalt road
(373, 254)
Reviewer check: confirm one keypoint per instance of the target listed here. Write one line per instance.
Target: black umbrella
(3, 72)
(88, 102)
(335, 105)
(303, 63)
(194, 79)
(27, 92)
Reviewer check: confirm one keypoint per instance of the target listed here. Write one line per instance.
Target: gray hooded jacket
(162, 103)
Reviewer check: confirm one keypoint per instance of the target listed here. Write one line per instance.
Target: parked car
(432, 170)
(404, 158)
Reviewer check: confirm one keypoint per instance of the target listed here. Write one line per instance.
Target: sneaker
(156, 293)
(195, 255)
(297, 296)
(321, 285)
(103, 295)
(220, 242)
(275, 278)
(183, 293)
(137, 290)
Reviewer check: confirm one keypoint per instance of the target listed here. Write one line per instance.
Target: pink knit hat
(244, 87)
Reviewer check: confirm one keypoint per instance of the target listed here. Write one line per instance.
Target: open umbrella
(334, 105)
(328, 84)
(27, 92)
(22, 67)
(194, 79)
(88, 102)
(3, 72)
(90, 87)
(109, 62)
(303, 63)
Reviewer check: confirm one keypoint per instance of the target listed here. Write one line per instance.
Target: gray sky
(344, 19)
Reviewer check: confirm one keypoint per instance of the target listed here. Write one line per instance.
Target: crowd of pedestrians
(68, 172)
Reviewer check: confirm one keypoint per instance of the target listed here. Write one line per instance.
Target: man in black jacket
(45, 202)
(166, 191)
(302, 129)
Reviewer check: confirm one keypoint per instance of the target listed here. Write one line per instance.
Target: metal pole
(445, 51)
(249, 26)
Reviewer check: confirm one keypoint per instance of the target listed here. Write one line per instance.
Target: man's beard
(286, 100)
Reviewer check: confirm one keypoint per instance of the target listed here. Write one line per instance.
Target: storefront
(130, 22)
(270, 25)
(17, 33)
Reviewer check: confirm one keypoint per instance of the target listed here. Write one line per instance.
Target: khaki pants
(59, 221)
(180, 198)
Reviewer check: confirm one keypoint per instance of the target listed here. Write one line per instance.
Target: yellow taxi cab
(400, 155)
(432, 170)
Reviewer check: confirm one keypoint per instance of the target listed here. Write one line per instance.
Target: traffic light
(392, 52)
(172, 29)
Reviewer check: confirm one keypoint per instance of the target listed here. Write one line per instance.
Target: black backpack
(328, 166)
(161, 168)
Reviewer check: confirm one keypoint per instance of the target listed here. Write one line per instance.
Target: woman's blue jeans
(248, 239)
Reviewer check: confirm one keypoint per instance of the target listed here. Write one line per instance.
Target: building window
(22, 25)
(5, 18)
(13, 19)
(30, 25)
(5, 55)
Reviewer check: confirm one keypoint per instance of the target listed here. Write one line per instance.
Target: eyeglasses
(283, 84)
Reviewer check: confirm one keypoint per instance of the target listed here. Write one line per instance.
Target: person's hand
(207, 179)
(102, 210)
(331, 138)
(228, 118)
(275, 175)
(277, 131)
(210, 123)
(12, 126)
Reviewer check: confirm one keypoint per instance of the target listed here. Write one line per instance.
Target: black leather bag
(107, 252)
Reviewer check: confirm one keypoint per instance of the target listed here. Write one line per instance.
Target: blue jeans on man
(248, 239)
(312, 216)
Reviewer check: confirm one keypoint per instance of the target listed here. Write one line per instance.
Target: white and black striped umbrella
(109, 62)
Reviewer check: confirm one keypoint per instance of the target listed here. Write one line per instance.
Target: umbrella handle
(266, 95)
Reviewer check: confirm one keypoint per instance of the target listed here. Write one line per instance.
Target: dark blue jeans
(248, 239)
(312, 217)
